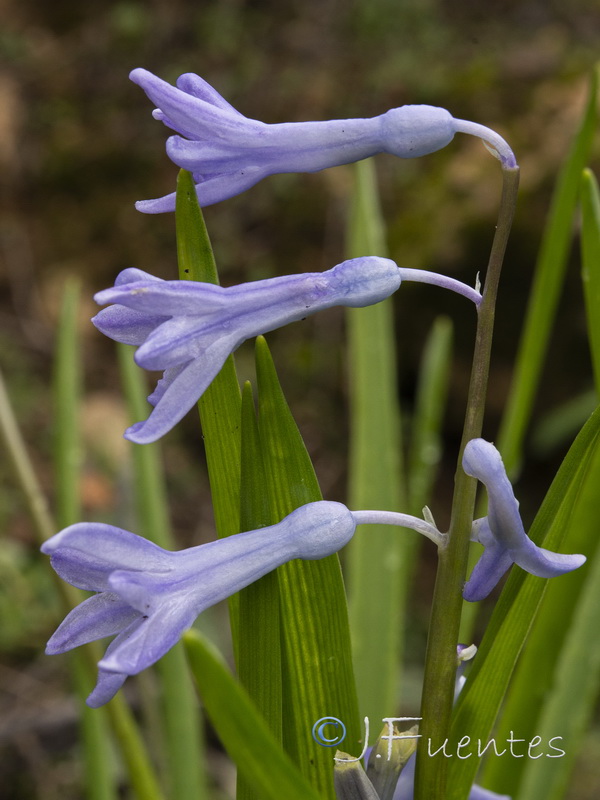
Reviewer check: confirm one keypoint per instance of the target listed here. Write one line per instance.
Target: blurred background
(78, 147)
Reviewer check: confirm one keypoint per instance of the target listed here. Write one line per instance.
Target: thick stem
(440, 662)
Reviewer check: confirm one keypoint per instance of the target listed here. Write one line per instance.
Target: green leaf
(67, 398)
(432, 391)
(317, 665)
(220, 405)
(568, 710)
(478, 705)
(590, 242)
(244, 734)
(259, 650)
(549, 277)
(560, 425)
(375, 473)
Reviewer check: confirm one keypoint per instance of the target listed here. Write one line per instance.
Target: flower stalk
(440, 662)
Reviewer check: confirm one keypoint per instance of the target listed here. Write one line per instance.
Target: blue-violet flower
(188, 328)
(228, 153)
(501, 532)
(148, 596)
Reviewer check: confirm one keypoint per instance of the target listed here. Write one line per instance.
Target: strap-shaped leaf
(567, 680)
(317, 664)
(375, 473)
(590, 240)
(244, 733)
(220, 404)
(259, 640)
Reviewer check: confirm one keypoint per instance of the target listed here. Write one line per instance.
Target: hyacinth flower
(228, 153)
(187, 328)
(501, 532)
(147, 596)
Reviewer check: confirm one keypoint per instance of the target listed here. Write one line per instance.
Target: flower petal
(151, 639)
(145, 591)
(196, 117)
(102, 615)
(134, 275)
(195, 85)
(212, 157)
(85, 554)
(482, 460)
(181, 393)
(211, 190)
(492, 565)
(163, 384)
(167, 298)
(109, 683)
(181, 340)
(544, 563)
(126, 325)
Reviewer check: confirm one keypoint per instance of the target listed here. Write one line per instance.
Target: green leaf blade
(317, 664)
(375, 473)
(241, 728)
(590, 242)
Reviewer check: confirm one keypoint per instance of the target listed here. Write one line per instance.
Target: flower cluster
(146, 597)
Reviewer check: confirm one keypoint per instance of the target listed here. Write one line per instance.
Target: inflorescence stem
(400, 520)
(440, 662)
(433, 278)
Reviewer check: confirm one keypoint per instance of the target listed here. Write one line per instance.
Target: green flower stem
(440, 662)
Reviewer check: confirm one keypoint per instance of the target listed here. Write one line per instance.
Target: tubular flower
(502, 533)
(188, 328)
(228, 153)
(148, 596)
